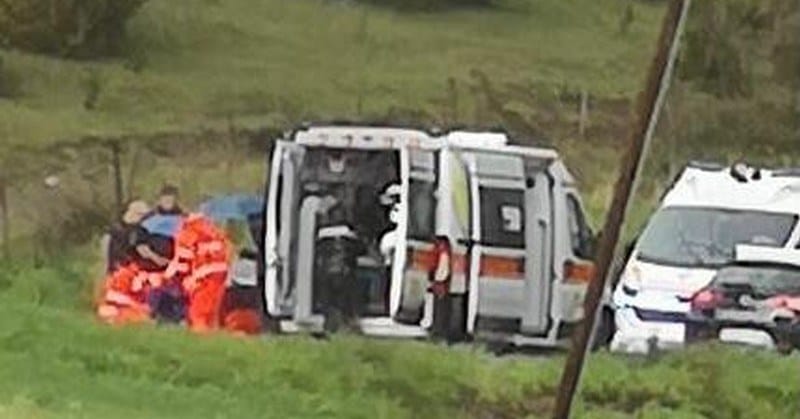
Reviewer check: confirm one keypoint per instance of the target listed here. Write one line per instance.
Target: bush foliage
(72, 28)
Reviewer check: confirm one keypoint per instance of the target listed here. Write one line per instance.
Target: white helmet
(391, 194)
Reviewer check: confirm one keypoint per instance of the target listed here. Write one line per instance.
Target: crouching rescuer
(125, 293)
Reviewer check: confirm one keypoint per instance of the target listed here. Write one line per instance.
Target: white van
(490, 239)
(708, 211)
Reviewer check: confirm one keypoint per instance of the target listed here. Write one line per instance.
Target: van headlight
(631, 281)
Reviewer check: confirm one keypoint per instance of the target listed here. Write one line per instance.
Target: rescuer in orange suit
(201, 262)
(124, 295)
(137, 271)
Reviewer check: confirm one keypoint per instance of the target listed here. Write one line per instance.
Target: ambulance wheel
(604, 331)
(449, 318)
(270, 325)
(784, 347)
(442, 310)
(499, 348)
(457, 332)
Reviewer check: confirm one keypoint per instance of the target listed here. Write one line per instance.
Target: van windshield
(707, 237)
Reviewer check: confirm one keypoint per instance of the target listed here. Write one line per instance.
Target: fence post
(117, 171)
(452, 100)
(583, 118)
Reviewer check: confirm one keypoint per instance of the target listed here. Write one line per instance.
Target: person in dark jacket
(130, 242)
(168, 201)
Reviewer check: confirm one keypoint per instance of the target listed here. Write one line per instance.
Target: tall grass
(57, 362)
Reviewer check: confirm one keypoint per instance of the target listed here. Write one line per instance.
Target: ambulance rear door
(416, 232)
(281, 226)
(511, 252)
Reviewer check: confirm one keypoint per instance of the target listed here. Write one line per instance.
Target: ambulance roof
(363, 137)
(486, 139)
(718, 188)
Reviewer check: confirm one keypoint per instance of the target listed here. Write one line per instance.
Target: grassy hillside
(56, 362)
(196, 63)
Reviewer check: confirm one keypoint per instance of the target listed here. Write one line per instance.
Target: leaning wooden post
(648, 106)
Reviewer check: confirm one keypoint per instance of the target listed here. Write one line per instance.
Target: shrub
(72, 28)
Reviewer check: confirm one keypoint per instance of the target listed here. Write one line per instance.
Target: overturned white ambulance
(397, 232)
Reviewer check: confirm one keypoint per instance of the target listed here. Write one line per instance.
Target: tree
(71, 28)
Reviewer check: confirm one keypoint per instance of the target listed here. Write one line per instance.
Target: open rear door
(281, 213)
(510, 263)
(416, 235)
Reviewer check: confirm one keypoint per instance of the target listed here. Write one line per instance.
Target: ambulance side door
(511, 256)
(280, 219)
(497, 271)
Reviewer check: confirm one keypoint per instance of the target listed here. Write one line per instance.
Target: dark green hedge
(72, 28)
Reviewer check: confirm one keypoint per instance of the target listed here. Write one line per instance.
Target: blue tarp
(221, 209)
(165, 225)
(233, 207)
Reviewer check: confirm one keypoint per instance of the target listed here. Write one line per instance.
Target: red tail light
(706, 299)
(579, 272)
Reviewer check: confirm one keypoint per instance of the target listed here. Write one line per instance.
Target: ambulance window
(502, 217)
(579, 232)
(460, 195)
(421, 210)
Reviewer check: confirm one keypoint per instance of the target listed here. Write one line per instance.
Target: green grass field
(197, 63)
(57, 362)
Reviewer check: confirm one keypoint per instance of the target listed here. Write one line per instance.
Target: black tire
(604, 330)
(442, 313)
(457, 327)
(698, 332)
(784, 347)
(499, 348)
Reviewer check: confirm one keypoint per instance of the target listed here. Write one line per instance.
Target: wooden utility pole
(647, 110)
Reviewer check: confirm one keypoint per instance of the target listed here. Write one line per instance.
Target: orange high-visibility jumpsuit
(124, 296)
(202, 253)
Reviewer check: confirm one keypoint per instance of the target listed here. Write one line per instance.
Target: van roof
(476, 139)
(387, 138)
(364, 137)
(703, 186)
